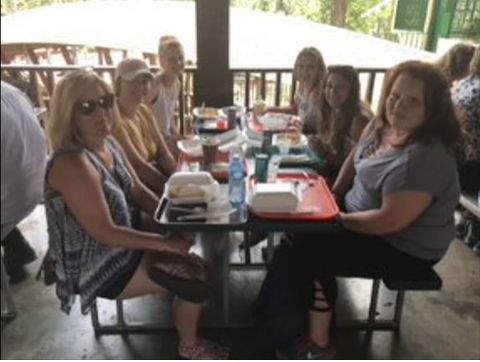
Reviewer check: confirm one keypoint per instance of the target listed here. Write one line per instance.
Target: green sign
(410, 15)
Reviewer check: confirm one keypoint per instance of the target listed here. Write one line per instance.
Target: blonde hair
(166, 42)
(117, 86)
(61, 127)
(455, 62)
(475, 63)
(320, 67)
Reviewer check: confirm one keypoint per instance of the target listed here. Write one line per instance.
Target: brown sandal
(203, 350)
(188, 266)
(178, 278)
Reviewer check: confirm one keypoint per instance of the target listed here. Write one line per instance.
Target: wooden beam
(150, 58)
(104, 56)
(213, 81)
(107, 56)
(430, 23)
(46, 80)
(99, 55)
(67, 55)
(5, 58)
(32, 55)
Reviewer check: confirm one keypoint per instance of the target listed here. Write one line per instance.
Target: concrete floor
(435, 325)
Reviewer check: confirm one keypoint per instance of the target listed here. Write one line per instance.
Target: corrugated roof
(258, 39)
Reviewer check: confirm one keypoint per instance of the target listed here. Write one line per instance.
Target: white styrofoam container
(273, 197)
(201, 179)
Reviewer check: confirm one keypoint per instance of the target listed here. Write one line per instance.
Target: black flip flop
(194, 291)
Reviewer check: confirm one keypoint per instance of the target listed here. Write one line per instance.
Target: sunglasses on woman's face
(88, 106)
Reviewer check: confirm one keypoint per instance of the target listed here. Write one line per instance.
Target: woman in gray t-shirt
(402, 188)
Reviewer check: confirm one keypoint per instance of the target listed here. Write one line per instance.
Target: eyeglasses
(88, 106)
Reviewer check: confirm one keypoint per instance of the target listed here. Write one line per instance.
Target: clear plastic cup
(210, 150)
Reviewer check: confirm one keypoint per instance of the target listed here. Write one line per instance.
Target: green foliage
(315, 10)
(472, 30)
(10, 6)
(319, 11)
(354, 20)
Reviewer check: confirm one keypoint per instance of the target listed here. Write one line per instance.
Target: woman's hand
(176, 137)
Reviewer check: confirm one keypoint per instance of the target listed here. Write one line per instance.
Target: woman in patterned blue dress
(90, 186)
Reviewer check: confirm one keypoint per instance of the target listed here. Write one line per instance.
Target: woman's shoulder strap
(114, 147)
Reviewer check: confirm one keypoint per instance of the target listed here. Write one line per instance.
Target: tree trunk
(339, 12)
(280, 7)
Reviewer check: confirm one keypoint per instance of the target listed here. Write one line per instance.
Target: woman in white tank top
(308, 71)
(166, 89)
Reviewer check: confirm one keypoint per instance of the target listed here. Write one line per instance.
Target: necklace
(374, 150)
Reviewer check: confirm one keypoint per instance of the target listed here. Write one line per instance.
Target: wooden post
(213, 81)
(430, 23)
(68, 55)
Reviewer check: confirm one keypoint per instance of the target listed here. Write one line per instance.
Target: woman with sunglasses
(137, 131)
(89, 187)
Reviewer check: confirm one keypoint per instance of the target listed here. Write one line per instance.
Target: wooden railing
(275, 86)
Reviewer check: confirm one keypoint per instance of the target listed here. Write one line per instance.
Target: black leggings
(324, 256)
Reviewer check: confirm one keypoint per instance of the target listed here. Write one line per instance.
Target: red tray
(214, 125)
(188, 163)
(316, 195)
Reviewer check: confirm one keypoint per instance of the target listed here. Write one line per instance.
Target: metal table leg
(215, 248)
(8, 310)
(270, 246)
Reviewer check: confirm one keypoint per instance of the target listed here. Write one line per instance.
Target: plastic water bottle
(236, 181)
